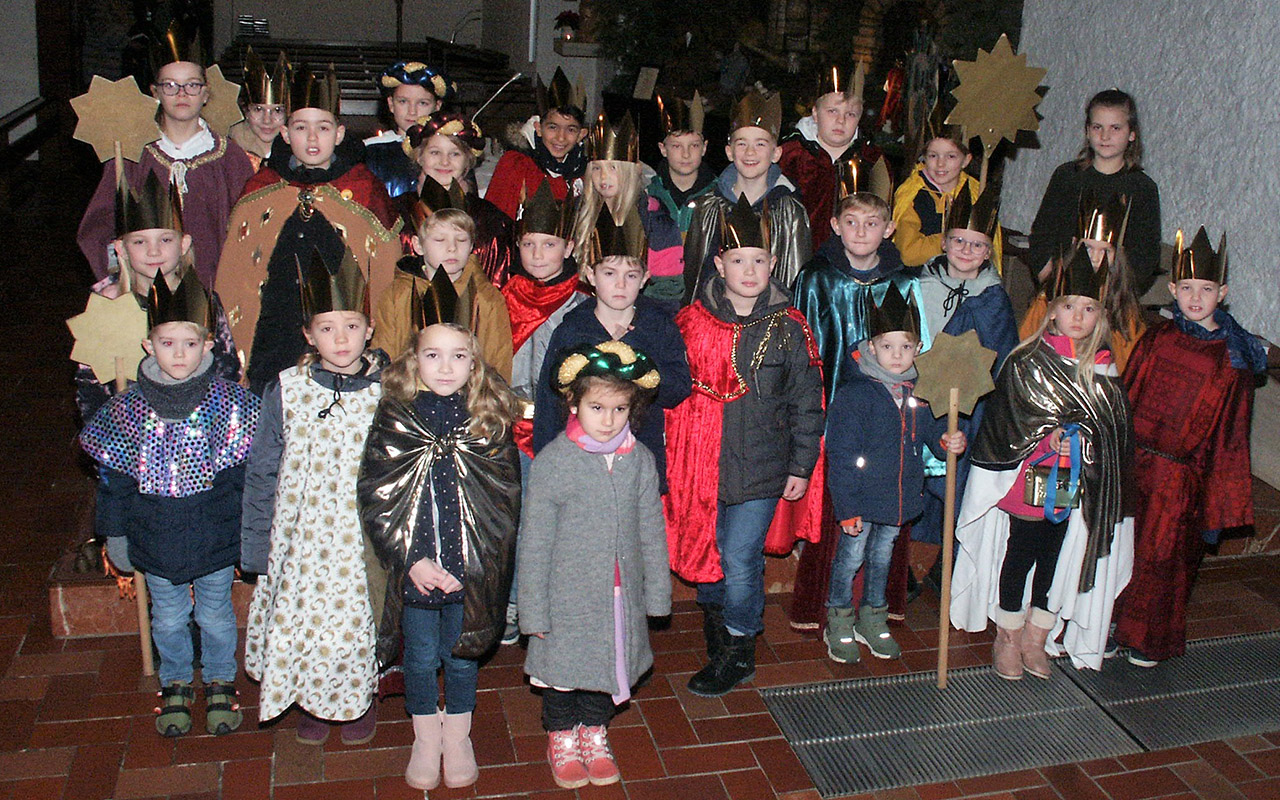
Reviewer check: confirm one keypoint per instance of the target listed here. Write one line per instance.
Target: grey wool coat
(577, 518)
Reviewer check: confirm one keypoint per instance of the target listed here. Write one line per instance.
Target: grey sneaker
(872, 629)
(511, 633)
(841, 646)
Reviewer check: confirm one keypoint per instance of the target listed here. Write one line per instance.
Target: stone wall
(1204, 76)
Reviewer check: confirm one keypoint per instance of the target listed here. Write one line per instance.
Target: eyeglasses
(267, 111)
(169, 88)
(961, 243)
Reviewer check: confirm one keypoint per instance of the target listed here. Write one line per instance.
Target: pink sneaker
(566, 764)
(597, 757)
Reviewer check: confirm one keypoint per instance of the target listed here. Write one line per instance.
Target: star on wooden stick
(114, 111)
(109, 329)
(954, 361)
(223, 109)
(997, 95)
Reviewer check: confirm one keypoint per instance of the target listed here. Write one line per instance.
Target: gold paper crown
(264, 89)
(608, 238)
(433, 197)
(681, 116)
(742, 227)
(856, 175)
(1198, 261)
(174, 45)
(757, 109)
(543, 213)
(1076, 276)
(894, 313)
(559, 94)
(609, 142)
(835, 79)
(310, 90)
(189, 302)
(974, 215)
(437, 303)
(324, 291)
(607, 358)
(156, 205)
(1103, 222)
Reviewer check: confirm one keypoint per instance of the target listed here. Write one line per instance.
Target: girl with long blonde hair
(439, 499)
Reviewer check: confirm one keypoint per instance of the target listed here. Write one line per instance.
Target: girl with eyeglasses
(208, 168)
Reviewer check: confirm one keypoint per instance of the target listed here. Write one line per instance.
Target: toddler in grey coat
(592, 558)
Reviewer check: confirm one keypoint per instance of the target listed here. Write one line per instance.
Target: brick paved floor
(75, 718)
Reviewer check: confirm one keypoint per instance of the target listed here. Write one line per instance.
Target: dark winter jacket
(775, 429)
(655, 334)
(182, 522)
(178, 538)
(874, 465)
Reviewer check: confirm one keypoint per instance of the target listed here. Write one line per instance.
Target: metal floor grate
(1220, 689)
(881, 733)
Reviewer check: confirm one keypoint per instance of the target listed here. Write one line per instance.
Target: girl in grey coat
(592, 559)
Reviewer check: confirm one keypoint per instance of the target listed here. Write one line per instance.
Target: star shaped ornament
(107, 330)
(997, 95)
(954, 361)
(115, 111)
(223, 109)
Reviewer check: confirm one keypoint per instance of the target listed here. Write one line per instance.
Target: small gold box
(1036, 488)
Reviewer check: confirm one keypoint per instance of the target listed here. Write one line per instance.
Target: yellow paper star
(114, 111)
(959, 361)
(223, 109)
(106, 330)
(997, 95)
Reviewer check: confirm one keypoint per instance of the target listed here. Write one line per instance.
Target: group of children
(462, 428)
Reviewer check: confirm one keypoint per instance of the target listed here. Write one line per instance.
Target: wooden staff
(139, 580)
(948, 539)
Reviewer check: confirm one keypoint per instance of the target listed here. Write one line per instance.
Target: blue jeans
(429, 637)
(170, 613)
(874, 547)
(740, 532)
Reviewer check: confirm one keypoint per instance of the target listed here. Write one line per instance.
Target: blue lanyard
(1052, 514)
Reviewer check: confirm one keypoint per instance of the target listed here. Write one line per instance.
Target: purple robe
(214, 181)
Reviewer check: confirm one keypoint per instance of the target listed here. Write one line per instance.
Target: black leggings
(1031, 543)
(564, 710)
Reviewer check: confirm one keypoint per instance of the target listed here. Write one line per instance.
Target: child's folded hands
(427, 575)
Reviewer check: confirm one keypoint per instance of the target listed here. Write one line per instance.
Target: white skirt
(983, 533)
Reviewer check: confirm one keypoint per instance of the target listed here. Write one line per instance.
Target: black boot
(713, 629)
(736, 664)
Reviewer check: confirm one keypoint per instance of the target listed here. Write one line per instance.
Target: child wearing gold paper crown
(1044, 494)
(1190, 382)
(312, 632)
(209, 169)
(748, 437)
(442, 255)
(446, 537)
(614, 181)
(754, 175)
(150, 244)
(592, 558)
(313, 196)
(828, 140)
(171, 452)
(1102, 233)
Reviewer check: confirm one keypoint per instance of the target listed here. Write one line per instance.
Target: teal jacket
(832, 295)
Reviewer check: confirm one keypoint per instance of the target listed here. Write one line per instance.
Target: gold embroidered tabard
(311, 630)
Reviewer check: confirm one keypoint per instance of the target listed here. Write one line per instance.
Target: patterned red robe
(1191, 412)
